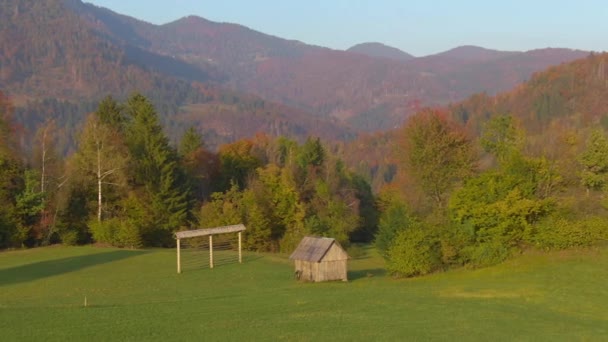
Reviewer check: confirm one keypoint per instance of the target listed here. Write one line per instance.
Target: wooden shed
(320, 259)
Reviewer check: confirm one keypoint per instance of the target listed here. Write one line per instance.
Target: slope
(574, 94)
(63, 56)
(366, 92)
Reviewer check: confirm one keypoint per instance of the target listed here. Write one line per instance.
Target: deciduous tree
(102, 156)
(437, 154)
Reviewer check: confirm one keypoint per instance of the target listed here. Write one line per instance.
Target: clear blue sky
(419, 27)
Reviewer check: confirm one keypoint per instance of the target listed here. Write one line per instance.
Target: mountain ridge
(117, 54)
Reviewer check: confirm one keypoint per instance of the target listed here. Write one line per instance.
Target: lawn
(136, 295)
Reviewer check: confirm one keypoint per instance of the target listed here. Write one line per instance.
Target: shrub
(127, 235)
(486, 253)
(415, 251)
(102, 232)
(392, 221)
(453, 239)
(69, 237)
(115, 232)
(561, 233)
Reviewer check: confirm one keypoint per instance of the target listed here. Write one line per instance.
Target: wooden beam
(210, 251)
(179, 261)
(240, 250)
(210, 231)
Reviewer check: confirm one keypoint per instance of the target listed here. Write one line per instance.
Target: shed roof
(313, 249)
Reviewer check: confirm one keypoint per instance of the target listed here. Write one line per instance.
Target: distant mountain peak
(192, 19)
(475, 53)
(375, 49)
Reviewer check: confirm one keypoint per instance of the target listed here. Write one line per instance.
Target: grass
(136, 295)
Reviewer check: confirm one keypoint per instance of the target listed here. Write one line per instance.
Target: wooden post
(240, 253)
(210, 251)
(179, 261)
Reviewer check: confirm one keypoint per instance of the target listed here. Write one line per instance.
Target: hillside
(573, 94)
(368, 93)
(365, 92)
(67, 50)
(63, 58)
(381, 51)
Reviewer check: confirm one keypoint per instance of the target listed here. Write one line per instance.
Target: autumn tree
(200, 165)
(437, 154)
(237, 162)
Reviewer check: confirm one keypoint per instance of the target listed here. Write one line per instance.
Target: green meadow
(136, 295)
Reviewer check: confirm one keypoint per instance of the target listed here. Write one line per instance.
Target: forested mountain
(374, 49)
(572, 94)
(365, 92)
(563, 100)
(60, 60)
(68, 50)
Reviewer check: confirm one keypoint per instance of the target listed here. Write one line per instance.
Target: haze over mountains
(202, 71)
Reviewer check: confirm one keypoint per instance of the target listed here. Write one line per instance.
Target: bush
(415, 251)
(115, 232)
(392, 221)
(69, 237)
(486, 253)
(453, 239)
(102, 232)
(561, 233)
(128, 235)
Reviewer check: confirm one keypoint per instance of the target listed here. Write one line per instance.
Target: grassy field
(136, 295)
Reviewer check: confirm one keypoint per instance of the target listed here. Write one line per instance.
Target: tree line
(126, 185)
(455, 199)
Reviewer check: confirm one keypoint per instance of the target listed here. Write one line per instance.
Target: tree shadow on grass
(369, 273)
(44, 269)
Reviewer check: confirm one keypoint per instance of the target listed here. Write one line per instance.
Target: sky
(419, 27)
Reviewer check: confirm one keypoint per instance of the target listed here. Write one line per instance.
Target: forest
(471, 184)
(126, 185)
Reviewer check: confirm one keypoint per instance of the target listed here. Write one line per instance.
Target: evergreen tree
(110, 113)
(28, 208)
(191, 142)
(155, 168)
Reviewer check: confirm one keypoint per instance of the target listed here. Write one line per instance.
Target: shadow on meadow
(44, 269)
(361, 274)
